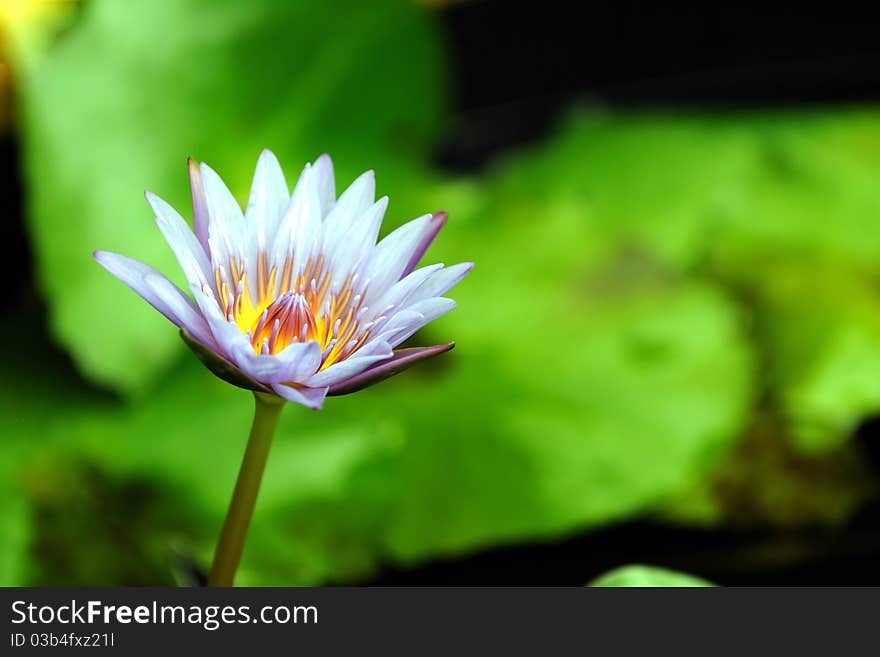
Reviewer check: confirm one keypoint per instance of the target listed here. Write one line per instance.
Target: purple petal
(159, 292)
(434, 226)
(200, 205)
(220, 366)
(401, 360)
(311, 397)
(365, 357)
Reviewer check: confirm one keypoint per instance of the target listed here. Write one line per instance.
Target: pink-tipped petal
(401, 360)
(438, 220)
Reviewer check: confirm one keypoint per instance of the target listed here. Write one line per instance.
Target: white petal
(392, 255)
(299, 232)
(406, 322)
(226, 230)
(207, 302)
(268, 199)
(230, 339)
(159, 292)
(348, 209)
(363, 358)
(200, 207)
(298, 361)
(187, 249)
(433, 308)
(441, 282)
(396, 323)
(325, 183)
(311, 397)
(358, 242)
(400, 293)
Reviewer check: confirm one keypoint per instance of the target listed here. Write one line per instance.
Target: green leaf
(585, 384)
(647, 576)
(780, 210)
(804, 250)
(132, 89)
(15, 527)
(821, 327)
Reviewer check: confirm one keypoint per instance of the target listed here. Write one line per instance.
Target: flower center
(287, 319)
(292, 308)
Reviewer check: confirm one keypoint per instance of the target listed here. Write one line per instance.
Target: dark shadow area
(516, 68)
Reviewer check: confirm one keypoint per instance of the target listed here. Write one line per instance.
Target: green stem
(267, 410)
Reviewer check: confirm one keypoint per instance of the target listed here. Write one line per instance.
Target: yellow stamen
(298, 307)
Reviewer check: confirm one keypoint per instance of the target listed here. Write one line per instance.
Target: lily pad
(647, 576)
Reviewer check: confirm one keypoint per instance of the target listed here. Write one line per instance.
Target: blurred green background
(673, 326)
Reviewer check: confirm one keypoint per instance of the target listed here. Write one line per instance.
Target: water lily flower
(294, 296)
